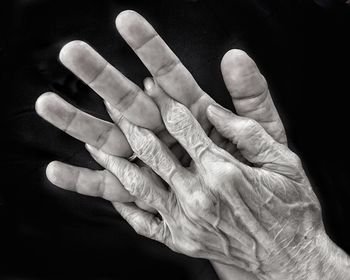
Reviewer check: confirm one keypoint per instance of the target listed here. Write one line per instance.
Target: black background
(300, 46)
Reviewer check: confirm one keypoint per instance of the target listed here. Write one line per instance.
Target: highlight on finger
(98, 183)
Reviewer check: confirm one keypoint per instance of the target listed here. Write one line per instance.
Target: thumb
(250, 93)
(254, 143)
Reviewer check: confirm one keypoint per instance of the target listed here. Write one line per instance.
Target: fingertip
(242, 77)
(80, 58)
(71, 49)
(96, 153)
(42, 104)
(235, 65)
(134, 28)
(148, 84)
(91, 149)
(123, 17)
(234, 57)
(157, 94)
(51, 172)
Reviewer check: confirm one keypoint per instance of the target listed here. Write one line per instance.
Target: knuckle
(158, 233)
(200, 203)
(191, 248)
(109, 162)
(250, 132)
(251, 128)
(143, 191)
(232, 170)
(129, 216)
(139, 226)
(144, 143)
(295, 161)
(133, 181)
(234, 174)
(254, 135)
(177, 118)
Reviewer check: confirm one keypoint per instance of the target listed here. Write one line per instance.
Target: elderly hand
(262, 217)
(246, 85)
(251, 99)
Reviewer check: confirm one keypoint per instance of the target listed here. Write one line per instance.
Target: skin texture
(263, 218)
(128, 103)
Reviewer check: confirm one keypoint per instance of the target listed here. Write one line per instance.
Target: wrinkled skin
(263, 218)
(254, 210)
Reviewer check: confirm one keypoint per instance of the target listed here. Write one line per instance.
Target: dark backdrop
(300, 46)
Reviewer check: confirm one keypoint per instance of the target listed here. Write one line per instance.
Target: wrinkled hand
(251, 99)
(263, 218)
(246, 85)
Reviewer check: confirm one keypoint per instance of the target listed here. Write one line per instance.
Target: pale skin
(258, 214)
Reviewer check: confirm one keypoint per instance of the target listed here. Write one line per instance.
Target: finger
(80, 125)
(96, 183)
(255, 144)
(151, 150)
(182, 125)
(100, 183)
(163, 64)
(250, 93)
(139, 183)
(110, 84)
(143, 223)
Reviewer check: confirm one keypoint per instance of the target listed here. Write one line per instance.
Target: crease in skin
(127, 100)
(224, 239)
(103, 137)
(200, 149)
(227, 249)
(258, 210)
(222, 236)
(70, 122)
(202, 222)
(109, 80)
(101, 188)
(98, 74)
(214, 228)
(149, 150)
(166, 69)
(183, 128)
(152, 37)
(253, 230)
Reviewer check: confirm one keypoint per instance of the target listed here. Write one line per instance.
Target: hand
(246, 85)
(263, 218)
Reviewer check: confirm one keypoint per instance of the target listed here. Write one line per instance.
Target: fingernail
(219, 111)
(113, 112)
(148, 83)
(108, 106)
(50, 172)
(91, 149)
